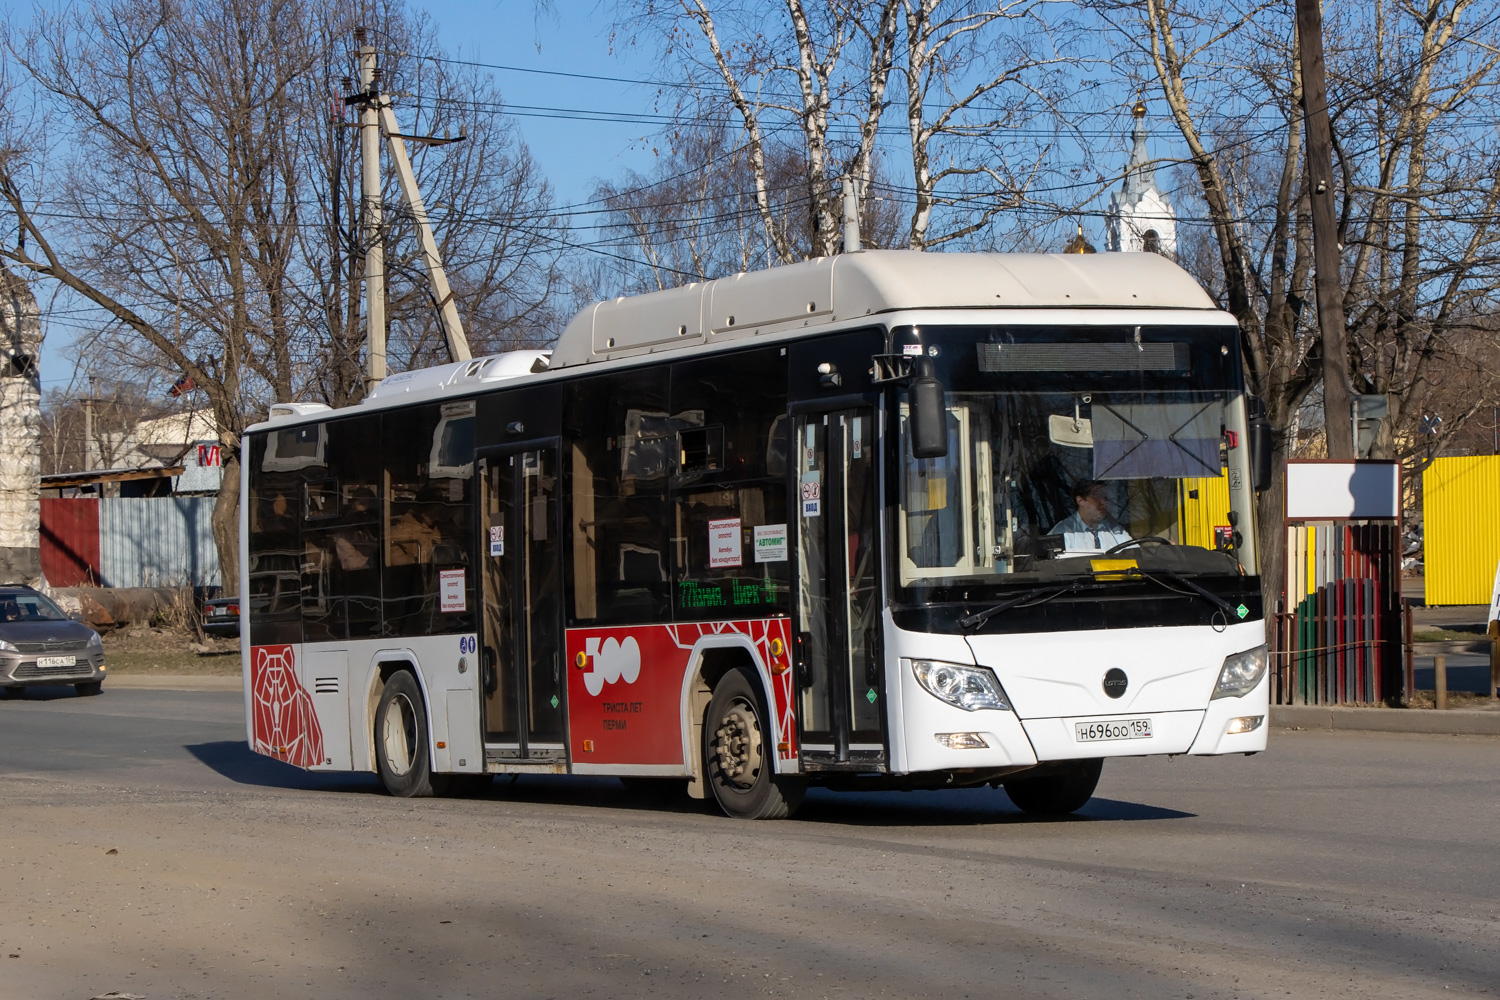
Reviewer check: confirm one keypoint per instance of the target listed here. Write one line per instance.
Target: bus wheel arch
(710, 663)
(401, 735)
(738, 751)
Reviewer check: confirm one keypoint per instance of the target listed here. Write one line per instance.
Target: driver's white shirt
(1079, 537)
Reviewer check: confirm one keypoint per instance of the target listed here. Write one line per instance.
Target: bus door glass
(521, 637)
(842, 697)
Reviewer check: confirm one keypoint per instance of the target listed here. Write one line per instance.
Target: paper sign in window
(724, 543)
(452, 594)
(770, 543)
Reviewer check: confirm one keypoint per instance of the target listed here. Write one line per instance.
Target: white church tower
(1140, 217)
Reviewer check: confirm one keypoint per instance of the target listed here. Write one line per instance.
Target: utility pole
(1338, 421)
(374, 240)
(375, 117)
(88, 428)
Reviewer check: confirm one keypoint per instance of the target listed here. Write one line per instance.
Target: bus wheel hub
(737, 746)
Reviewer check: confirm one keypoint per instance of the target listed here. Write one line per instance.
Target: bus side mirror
(1260, 443)
(928, 420)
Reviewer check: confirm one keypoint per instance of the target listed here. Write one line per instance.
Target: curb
(1453, 722)
(174, 682)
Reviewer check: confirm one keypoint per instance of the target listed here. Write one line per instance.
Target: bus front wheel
(739, 754)
(401, 754)
(1056, 794)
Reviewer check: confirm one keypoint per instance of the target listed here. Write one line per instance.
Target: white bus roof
(836, 289)
(808, 295)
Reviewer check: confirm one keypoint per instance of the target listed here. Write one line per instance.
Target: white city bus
(886, 519)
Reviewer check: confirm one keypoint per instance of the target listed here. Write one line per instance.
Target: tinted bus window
(341, 534)
(619, 435)
(273, 546)
(429, 479)
(729, 486)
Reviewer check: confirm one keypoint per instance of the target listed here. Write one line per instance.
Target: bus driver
(1090, 528)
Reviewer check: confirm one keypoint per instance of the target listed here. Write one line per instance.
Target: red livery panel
(283, 721)
(625, 687)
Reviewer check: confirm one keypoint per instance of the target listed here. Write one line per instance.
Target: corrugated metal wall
(1203, 505)
(70, 541)
(157, 542)
(1461, 528)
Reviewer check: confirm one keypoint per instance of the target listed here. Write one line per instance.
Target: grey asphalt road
(144, 850)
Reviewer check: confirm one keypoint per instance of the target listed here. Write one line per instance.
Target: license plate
(56, 661)
(1116, 729)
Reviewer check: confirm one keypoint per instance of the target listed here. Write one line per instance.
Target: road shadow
(948, 807)
(234, 760)
(960, 807)
(44, 692)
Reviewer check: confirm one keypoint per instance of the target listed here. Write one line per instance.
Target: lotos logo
(612, 661)
(1115, 682)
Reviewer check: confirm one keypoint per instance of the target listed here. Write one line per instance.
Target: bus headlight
(1241, 672)
(965, 687)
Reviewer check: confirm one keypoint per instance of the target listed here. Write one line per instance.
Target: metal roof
(848, 286)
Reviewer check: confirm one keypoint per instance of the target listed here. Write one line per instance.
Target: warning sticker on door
(724, 543)
(452, 592)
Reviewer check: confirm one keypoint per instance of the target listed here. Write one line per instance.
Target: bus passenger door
(521, 632)
(841, 700)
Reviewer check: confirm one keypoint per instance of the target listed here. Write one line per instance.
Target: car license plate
(56, 661)
(1115, 729)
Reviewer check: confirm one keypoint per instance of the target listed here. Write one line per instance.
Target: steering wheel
(1153, 539)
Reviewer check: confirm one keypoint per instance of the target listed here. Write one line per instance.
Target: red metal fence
(70, 541)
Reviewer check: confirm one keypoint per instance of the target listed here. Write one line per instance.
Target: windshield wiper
(1036, 595)
(1047, 592)
(1207, 595)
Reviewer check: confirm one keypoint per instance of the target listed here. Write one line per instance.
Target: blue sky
(540, 62)
(572, 38)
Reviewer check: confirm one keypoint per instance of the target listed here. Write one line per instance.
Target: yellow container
(1461, 528)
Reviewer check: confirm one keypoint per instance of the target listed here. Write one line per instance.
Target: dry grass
(159, 650)
(1456, 699)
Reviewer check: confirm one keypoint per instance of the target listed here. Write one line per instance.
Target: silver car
(39, 644)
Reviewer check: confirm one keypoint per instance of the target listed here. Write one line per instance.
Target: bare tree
(1418, 182)
(695, 216)
(822, 73)
(196, 139)
(489, 204)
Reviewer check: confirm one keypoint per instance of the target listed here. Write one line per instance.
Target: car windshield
(1065, 454)
(28, 606)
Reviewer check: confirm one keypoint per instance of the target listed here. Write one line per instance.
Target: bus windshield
(1052, 473)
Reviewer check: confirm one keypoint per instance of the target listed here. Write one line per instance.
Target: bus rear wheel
(1056, 794)
(739, 755)
(401, 754)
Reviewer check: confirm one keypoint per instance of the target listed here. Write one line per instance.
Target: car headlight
(95, 642)
(1241, 672)
(965, 687)
(8, 647)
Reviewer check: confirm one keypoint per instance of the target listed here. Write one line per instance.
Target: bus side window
(341, 534)
(729, 491)
(620, 439)
(427, 497)
(273, 550)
